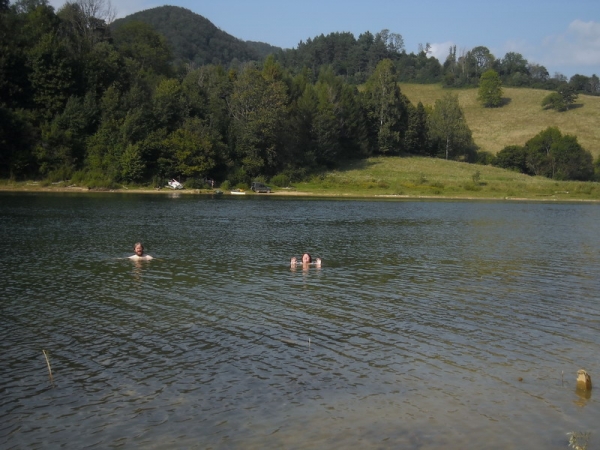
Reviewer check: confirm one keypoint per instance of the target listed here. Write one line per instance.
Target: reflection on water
(430, 324)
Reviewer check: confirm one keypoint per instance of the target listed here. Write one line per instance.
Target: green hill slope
(421, 177)
(520, 119)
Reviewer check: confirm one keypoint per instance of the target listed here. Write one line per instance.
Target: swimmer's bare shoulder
(136, 257)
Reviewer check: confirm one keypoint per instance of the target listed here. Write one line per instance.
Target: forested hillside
(193, 38)
(262, 49)
(103, 105)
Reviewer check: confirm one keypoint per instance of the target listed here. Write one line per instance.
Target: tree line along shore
(91, 103)
(386, 178)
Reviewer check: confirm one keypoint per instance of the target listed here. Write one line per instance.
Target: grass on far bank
(521, 117)
(394, 177)
(438, 178)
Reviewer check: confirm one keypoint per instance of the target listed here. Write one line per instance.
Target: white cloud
(122, 8)
(132, 6)
(441, 51)
(575, 50)
(517, 46)
(579, 45)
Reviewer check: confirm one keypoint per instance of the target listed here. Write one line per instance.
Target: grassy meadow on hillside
(438, 178)
(521, 118)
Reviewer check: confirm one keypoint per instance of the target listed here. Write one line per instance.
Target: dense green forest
(192, 38)
(164, 94)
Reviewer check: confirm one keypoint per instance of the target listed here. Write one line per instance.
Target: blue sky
(563, 36)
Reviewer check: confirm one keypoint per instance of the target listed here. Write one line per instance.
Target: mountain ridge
(193, 38)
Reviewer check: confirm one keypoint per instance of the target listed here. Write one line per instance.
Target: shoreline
(34, 188)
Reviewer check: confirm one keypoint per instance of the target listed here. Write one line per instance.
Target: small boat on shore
(238, 192)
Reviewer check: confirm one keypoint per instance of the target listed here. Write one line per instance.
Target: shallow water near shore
(431, 325)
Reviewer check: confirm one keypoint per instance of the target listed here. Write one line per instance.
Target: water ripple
(430, 325)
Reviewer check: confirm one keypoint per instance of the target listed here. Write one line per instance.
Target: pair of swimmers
(138, 248)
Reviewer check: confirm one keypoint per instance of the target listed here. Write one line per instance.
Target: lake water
(431, 325)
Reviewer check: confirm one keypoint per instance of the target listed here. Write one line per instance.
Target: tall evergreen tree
(416, 139)
(337, 124)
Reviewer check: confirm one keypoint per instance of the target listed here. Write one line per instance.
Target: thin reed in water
(49, 368)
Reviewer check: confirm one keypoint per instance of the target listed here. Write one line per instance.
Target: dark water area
(430, 325)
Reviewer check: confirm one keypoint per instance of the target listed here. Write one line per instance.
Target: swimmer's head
(306, 258)
(138, 248)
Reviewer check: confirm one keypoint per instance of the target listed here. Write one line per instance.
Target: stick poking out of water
(49, 369)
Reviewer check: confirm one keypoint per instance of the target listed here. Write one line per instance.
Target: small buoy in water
(584, 381)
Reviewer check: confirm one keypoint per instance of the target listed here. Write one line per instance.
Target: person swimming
(305, 260)
(138, 248)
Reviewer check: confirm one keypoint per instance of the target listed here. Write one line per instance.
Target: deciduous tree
(553, 155)
(560, 100)
(449, 129)
(490, 89)
(132, 164)
(386, 109)
(571, 160)
(85, 22)
(52, 74)
(193, 149)
(512, 63)
(257, 108)
(168, 104)
(539, 160)
(512, 157)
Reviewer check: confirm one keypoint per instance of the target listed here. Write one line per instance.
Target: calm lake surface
(431, 325)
